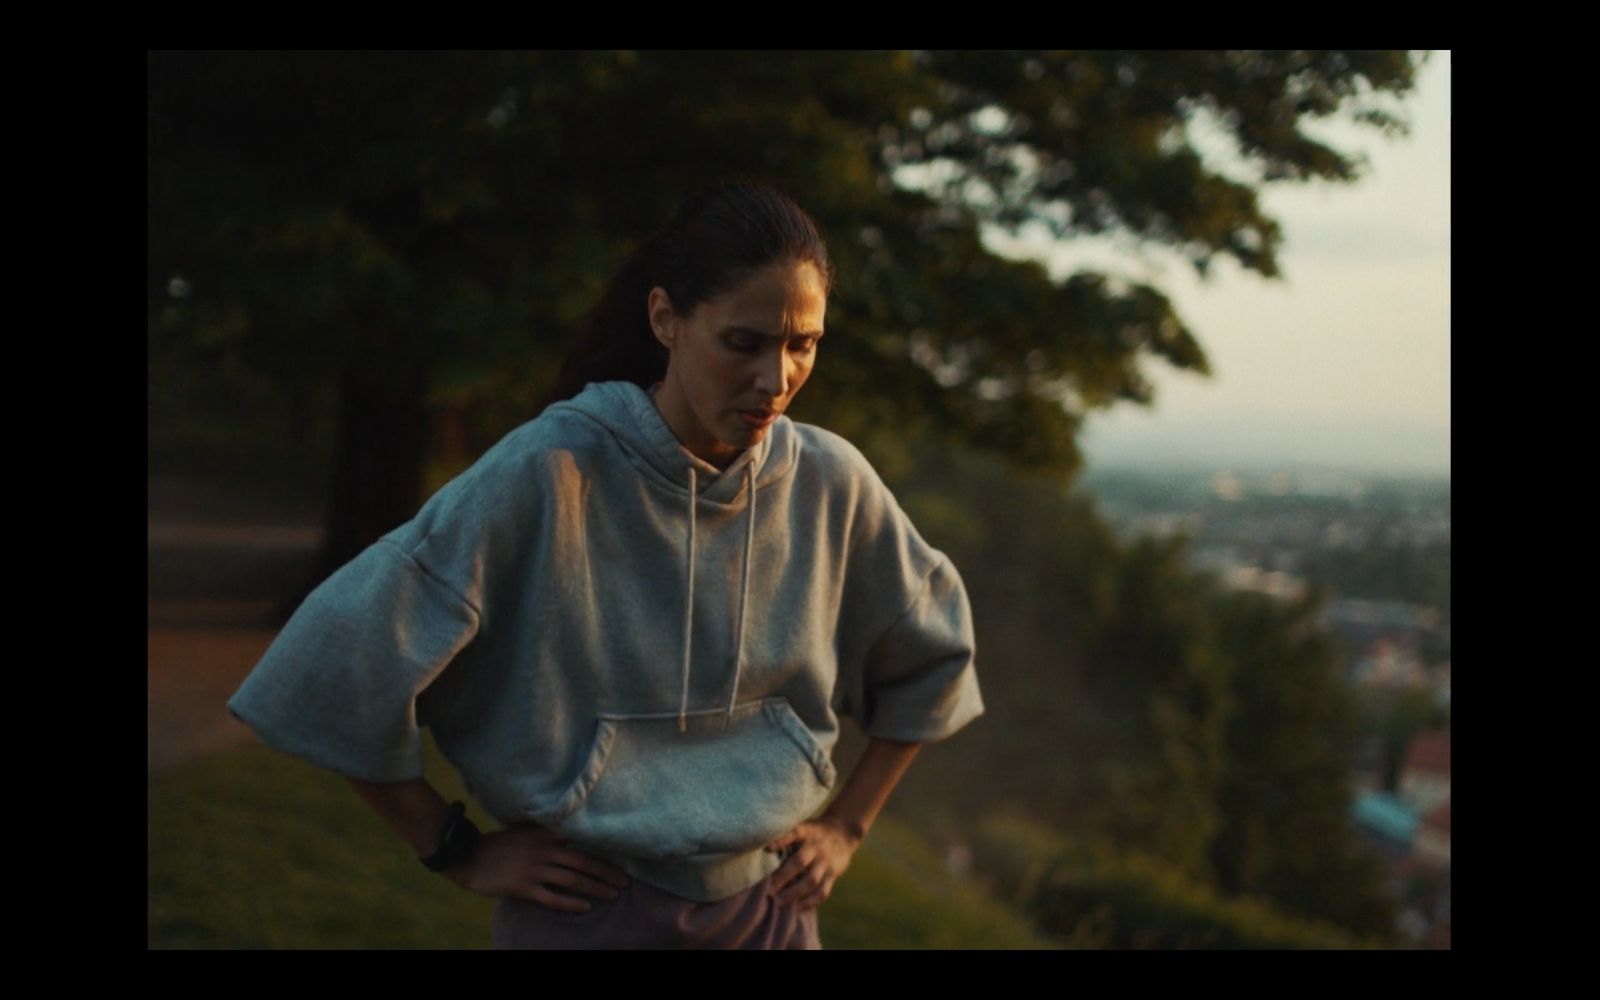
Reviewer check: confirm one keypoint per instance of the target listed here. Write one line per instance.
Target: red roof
(1430, 752)
(1439, 817)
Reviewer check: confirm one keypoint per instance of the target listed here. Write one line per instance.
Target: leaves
(459, 209)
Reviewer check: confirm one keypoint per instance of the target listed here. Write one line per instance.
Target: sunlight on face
(738, 360)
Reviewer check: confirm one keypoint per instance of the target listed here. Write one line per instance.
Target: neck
(674, 409)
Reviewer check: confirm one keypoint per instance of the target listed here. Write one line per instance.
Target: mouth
(758, 418)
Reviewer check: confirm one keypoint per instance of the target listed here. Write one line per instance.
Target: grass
(897, 894)
(254, 849)
(1092, 894)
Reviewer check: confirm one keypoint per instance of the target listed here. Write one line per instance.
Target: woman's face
(739, 358)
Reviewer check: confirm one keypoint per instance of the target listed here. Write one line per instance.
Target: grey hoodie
(658, 677)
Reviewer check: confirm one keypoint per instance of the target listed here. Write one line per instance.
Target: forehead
(782, 298)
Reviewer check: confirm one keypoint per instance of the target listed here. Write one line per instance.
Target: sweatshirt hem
(703, 878)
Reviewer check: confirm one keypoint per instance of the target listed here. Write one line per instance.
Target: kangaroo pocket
(723, 785)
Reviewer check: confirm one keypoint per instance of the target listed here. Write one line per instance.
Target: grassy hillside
(252, 849)
(1093, 894)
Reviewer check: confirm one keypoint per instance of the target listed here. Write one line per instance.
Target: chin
(743, 437)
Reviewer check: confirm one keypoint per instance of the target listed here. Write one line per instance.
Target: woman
(634, 623)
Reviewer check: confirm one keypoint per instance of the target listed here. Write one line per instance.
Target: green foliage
(1286, 792)
(898, 894)
(1093, 895)
(254, 849)
(1131, 699)
(1381, 569)
(453, 213)
(1105, 140)
(1394, 718)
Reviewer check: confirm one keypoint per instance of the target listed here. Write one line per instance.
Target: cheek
(800, 372)
(712, 369)
(720, 377)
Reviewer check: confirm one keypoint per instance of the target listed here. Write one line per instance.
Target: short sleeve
(918, 682)
(339, 684)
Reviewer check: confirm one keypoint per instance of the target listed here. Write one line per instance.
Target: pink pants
(646, 917)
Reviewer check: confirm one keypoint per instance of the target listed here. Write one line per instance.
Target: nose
(772, 375)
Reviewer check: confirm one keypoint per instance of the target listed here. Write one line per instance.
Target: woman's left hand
(821, 851)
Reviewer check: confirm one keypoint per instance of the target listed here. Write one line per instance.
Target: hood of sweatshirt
(642, 435)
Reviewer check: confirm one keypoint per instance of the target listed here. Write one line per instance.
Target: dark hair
(713, 242)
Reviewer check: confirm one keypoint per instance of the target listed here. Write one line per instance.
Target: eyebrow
(731, 328)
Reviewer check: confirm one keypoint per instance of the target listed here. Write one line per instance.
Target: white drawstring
(744, 597)
(688, 612)
(744, 585)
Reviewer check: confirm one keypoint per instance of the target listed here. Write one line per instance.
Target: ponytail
(618, 344)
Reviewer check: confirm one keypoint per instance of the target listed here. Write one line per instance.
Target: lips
(758, 418)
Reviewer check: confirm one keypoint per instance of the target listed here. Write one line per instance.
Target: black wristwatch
(457, 841)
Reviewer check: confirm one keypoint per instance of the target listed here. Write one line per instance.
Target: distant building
(1390, 662)
(1424, 889)
(1227, 486)
(1367, 765)
(1439, 677)
(1425, 775)
(1389, 818)
(1432, 841)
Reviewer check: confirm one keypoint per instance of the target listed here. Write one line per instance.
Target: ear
(663, 321)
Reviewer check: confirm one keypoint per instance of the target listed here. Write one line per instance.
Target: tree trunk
(378, 469)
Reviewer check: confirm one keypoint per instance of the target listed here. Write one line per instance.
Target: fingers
(804, 885)
(809, 890)
(593, 867)
(545, 869)
(817, 898)
(566, 855)
(575, 882)
(553, 849)
(792, 837)
(555, 900)
(802, 853)
(793, 867)
(806, 878)
(801, 876)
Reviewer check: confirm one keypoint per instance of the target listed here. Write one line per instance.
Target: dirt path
(219, 563)
(193, 673)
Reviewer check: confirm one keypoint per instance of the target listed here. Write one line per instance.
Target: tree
(414, 226)
(1133, 700)
(1290, 748)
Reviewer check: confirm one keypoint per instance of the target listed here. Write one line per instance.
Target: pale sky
(1347, 360)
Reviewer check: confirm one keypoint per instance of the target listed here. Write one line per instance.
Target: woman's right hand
(532, 862)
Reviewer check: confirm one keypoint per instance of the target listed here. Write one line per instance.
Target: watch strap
(458, 840)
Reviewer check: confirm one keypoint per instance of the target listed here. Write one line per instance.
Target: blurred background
(1155, 345)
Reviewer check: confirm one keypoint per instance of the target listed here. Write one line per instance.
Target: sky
(1346, 361)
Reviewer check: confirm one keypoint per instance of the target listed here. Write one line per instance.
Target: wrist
(457, 842)
(852, 827)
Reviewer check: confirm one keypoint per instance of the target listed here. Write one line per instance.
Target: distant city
(1376, 547)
